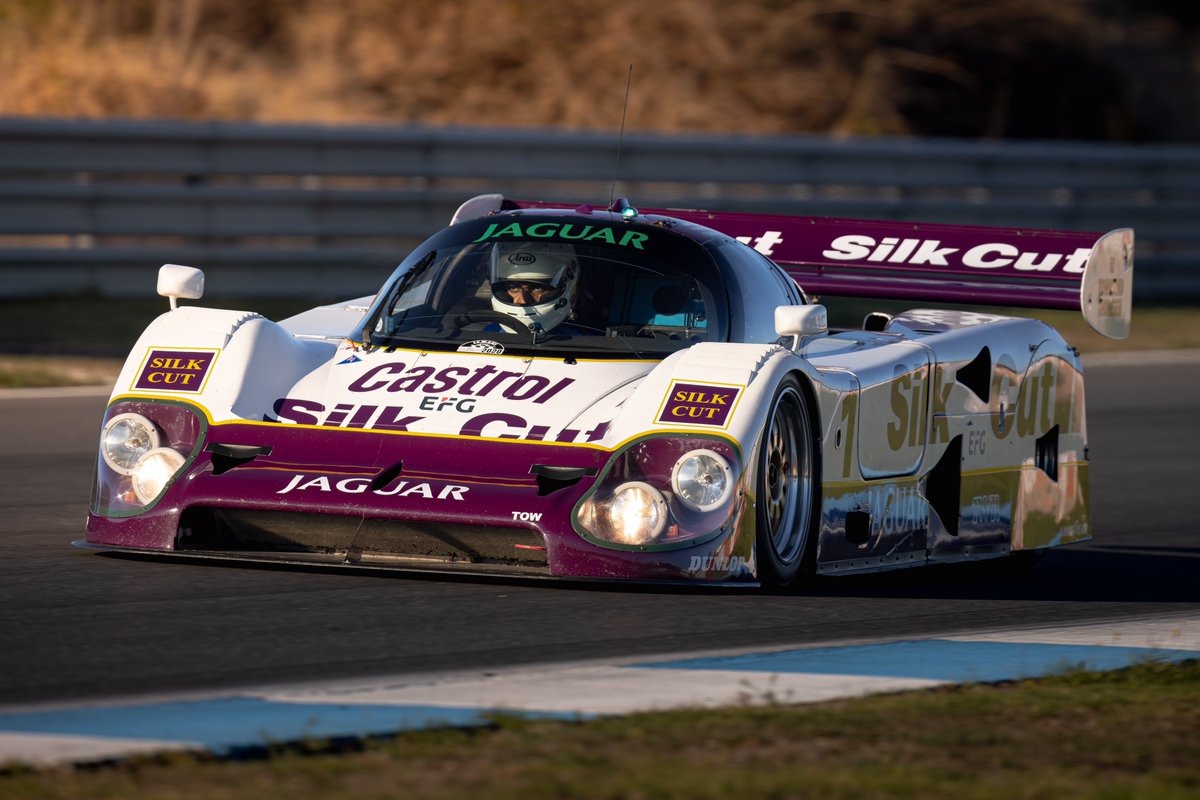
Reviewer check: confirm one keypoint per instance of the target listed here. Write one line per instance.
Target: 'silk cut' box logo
(175, 370)
(699, 404)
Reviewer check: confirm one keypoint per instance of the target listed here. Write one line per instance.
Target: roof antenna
(620, 137)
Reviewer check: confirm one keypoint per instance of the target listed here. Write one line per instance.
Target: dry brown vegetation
(1070, 68)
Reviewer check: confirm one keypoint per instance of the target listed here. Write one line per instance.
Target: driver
(535, 284)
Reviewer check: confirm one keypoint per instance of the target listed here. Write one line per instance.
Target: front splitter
(336, 560)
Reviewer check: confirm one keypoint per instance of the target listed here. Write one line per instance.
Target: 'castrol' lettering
(916, 252)
(483, 381)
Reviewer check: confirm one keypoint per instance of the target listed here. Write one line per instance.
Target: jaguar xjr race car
(613, 394)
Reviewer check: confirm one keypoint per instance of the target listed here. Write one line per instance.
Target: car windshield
(553, 295)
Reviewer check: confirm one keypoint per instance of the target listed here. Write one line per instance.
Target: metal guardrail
(317, 210)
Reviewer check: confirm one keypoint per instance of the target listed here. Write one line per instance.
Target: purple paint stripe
(898, 287)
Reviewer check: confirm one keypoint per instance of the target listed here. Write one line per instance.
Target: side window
(412, 298)
(659, 300)
(790, 289)
(756, 288)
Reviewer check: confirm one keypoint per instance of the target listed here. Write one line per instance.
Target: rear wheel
(786, 486)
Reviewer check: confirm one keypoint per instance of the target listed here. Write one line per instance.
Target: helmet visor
(519, 292)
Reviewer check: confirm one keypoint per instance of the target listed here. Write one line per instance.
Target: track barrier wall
(97, 206)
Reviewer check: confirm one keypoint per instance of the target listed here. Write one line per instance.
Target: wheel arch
(771, 487)
(817, 431)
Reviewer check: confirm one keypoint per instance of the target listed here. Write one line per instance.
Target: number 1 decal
(848, 421)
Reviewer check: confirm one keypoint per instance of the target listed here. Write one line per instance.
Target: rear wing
(1089, 272)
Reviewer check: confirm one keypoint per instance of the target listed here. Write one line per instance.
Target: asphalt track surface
(78, 625)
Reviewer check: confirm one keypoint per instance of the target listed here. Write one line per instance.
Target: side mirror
(176, 280)
(798, 321)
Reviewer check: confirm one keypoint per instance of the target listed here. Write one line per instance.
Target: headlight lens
(702, 480)
(127, 438)
(153, 471)
(664, 493)
(637, 513)
(133, 436)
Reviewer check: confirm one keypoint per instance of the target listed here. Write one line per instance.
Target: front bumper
(355, 498)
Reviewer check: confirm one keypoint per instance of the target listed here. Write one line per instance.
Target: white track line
(43, 749)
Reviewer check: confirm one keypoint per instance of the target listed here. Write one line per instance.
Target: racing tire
(787, 487)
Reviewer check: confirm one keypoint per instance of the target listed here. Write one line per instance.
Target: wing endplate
(1106, 293)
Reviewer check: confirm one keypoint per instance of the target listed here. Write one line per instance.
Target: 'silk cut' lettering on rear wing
(1089, 272)
(938, 263)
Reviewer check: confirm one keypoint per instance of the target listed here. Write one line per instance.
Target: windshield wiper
(402, 286)
(564, 337)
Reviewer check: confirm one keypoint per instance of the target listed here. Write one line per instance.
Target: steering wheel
(485, 315)
(646, 332)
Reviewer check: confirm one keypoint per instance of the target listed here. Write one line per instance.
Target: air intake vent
(551, 478)
(227, 456)
(1045, 453)
(944, 485)
(977, 376)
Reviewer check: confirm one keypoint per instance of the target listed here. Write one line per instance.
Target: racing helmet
(534, 282)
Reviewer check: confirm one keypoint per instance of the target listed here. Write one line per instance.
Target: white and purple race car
(613, 394)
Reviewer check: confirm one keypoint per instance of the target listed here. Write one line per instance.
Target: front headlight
(143, 446)
(127, 438)
(702, 480)
(662, 493)
(153, 471)
(637, 513)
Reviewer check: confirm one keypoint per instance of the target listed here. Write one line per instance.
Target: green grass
(1128, 734)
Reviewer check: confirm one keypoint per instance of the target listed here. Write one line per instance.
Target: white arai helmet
(534, 282)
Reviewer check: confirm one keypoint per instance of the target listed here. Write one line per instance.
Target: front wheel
(786, 496)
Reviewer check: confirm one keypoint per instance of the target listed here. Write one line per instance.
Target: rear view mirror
(798, 321)
(176, 280)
